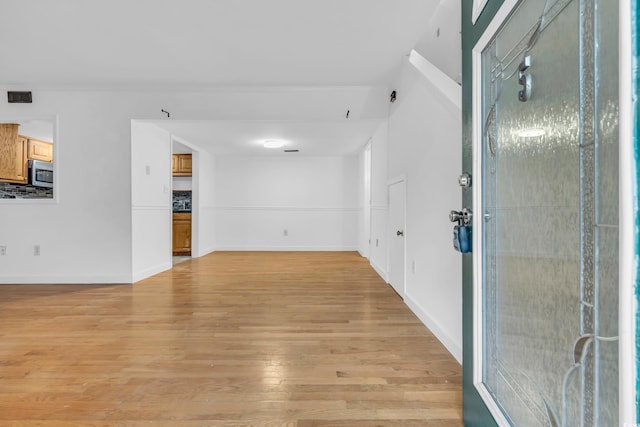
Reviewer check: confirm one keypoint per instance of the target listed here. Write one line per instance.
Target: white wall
(313, 198)
(379, 201)
(150, 199)
(203, 210)
(425, 144)
(364, 202)
(86, 233)
(182, 183)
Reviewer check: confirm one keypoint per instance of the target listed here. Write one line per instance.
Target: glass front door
(548, 215)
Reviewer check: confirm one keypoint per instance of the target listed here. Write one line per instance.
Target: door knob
(399, 233)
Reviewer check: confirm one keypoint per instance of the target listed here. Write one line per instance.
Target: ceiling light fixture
(273, 143)
(531, 132)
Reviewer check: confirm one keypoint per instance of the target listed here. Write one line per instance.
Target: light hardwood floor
(231, 339)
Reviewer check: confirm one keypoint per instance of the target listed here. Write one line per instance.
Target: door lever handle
(399, 233)
(461, 217)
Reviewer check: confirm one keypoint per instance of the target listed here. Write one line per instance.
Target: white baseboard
(204, 252)
(65, 280)
(151, 272)
(288, 248)
(453, 346)
(381, 272)
(362, 254)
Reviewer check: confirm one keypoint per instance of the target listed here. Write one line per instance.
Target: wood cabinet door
(39, 150)
(182, 234)
(13, 155)
(181, 164)
(185, 164)
(22, 165)
(174, 164)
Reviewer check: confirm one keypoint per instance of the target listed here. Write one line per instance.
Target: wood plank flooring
(231, 339)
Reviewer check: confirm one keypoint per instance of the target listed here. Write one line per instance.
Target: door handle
(462, 217)
(399, 233)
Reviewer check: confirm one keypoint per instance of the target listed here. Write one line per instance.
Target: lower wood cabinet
(182, 233)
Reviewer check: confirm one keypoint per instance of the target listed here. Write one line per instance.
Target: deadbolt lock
(464, 180)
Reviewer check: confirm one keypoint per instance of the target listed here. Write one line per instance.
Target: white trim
(442, 82)
(396, 179)
(151, 208)
(379, 207)
(144, 274)
(477, 120)
(65, 280)
(399, 179)
(203, 252)
(452, 345)
(626, 345)
(478, 7)
(53, 118)
(379, 270)
(288, 248)
(285, 209)
(497, 21)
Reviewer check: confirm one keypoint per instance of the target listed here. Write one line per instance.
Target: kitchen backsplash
(18, 191)
(182, 201)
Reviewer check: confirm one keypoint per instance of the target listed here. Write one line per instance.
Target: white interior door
(397, 206)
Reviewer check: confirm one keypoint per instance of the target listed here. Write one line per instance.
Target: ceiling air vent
(291, 151)
(19, 97)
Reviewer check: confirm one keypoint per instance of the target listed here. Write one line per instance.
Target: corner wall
(150, 200)
(425, 144)
(379, 200)
(204, 204)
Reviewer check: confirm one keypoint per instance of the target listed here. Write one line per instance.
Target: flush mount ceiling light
(531, 132)
(273, 143)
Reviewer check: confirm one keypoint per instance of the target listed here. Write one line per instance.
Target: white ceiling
(209, 44)
(246, 137)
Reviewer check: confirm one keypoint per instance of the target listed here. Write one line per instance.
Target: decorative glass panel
(549, 201)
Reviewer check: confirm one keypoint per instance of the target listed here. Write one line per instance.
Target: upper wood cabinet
(181, 164)
(13, 155)
(39, 150)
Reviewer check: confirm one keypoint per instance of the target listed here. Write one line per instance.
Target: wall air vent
(19, 97)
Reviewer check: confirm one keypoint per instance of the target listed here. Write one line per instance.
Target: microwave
(40, 174)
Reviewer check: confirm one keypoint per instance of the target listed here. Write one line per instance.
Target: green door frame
(475, 411)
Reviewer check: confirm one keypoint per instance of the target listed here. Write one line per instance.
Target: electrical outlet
(413, 266)
(285, 232)
(376, 243)
(147, 169)
(3, 250)
(36, 250)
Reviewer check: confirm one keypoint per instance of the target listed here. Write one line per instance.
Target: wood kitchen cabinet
(13, 155)
(181, 164)
(39, 150)
(182, 233)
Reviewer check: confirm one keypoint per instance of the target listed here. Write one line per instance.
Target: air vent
(291, 151)
(19, 97)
